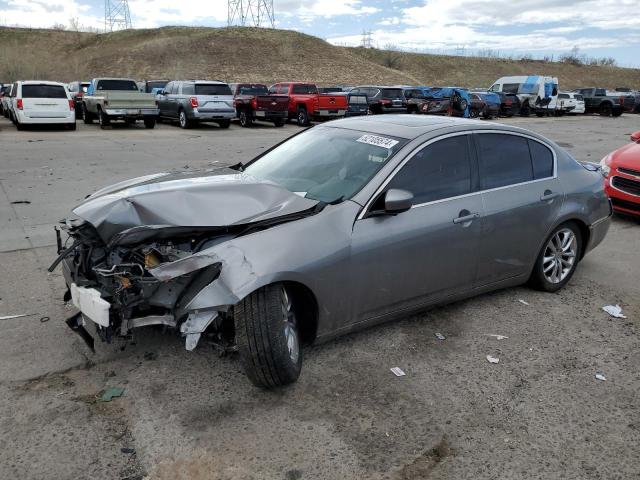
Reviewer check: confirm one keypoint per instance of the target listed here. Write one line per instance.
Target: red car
(621, 169)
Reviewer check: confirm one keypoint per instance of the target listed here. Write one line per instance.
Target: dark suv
(194, 101)
(77, 91)
(382, 99)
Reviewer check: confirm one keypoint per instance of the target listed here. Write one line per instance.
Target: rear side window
(212, 89)
(188, 89)
(43, 91)
(253, 90)
(504, 160)
(440, 170)
(510, 87)
(542, 160)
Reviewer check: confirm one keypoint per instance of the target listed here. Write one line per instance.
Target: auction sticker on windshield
(378, 141)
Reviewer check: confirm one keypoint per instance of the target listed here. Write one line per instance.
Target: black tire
(303, 117)
(539, 280)
(279, 122)
(183, 120)
(525, 111)
(224, 123)
(540, 114)
(130, 121)
(606, 109)
(268, 338)
(246, 120)
(149, 122)
(86, 116)
(474, 113)
(71, 126)
(18, 125)
(616, 113)
(103, 119)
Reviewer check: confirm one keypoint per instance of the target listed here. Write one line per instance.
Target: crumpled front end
(115, 292)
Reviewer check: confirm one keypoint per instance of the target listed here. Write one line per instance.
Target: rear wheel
(605, 109)
(103, 119)
(616, 113)
(558, 259)
(149, 122)
(18, 125)
(303, 117)
(224, 123)
(474, 113)
(71, 126)
(86, 116)
(245, 119)
(268, 338)
(183, 121)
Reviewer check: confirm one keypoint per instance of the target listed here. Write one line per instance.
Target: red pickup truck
(253, 102)
(306, 104)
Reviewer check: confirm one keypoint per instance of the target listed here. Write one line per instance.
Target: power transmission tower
(251, 13)
(366, 41)
(116, 15)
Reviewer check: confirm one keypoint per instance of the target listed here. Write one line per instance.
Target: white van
(537, 94)
(36, 102)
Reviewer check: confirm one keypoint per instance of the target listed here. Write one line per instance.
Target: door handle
(469, 217)
(548, 195)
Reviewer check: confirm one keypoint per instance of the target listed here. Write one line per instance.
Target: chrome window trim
(411, 155)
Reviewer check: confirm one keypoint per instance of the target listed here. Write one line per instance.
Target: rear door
(522, 198)
(45, 101)
(214, 97)
(430, 251)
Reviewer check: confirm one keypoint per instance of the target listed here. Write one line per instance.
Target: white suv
(36, 102)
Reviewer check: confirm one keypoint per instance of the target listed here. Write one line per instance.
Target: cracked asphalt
(539, 413)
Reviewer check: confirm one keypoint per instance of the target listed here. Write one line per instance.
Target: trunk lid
(332, 101)
(45, 101)
(272, 103)
(125, 99)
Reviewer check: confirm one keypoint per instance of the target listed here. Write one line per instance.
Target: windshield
(253, 90)
(326, 164)
(117, 85)
(212, 89)
(156, 84)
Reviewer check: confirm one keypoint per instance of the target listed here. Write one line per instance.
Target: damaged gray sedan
(342, 226)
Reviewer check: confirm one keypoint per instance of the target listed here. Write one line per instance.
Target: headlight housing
(604, 165)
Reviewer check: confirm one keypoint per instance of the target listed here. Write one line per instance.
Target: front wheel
(558, 259)
(474, 113)
(268, 338)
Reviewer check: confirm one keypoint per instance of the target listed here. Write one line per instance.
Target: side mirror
(635, 137)
(397, 201)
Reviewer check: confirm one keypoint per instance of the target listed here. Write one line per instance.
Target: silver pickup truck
(110, 99)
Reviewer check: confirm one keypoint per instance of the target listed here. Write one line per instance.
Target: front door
(428, 252)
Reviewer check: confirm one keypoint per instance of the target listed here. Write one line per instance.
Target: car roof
(411, 126)
(217, 82)
(39, 82)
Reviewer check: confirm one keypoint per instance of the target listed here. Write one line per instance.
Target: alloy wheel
(559, 256)
(290, 326)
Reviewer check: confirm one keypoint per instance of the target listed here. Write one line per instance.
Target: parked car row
(189, 102)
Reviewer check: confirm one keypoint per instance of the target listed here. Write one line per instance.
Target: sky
(602, 28)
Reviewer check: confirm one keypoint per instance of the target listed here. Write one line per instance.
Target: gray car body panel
(363, 270)
(170, 104)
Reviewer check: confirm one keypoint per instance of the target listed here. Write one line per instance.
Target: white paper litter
(397, 371)
(614, 311)
(491, 359)
(599, 376)
(8, 317)
(523, 302)
(497, 337)
(440, 336)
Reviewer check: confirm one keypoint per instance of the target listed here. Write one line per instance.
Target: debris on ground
(21, 202)
(599, 376)
(491, 359)
(397, 371)
(128, 450)
(523, 302)
(440, 336)
(9, 317)
(497, 337)
(111, 393)
(614, 311)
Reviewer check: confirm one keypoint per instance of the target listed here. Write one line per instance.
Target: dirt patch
(424, 464)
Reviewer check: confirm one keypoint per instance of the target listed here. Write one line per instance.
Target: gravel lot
(539, 413)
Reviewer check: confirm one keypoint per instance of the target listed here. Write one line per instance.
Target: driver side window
(438, 171)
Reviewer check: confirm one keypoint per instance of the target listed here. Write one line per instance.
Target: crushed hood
(187, 200)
